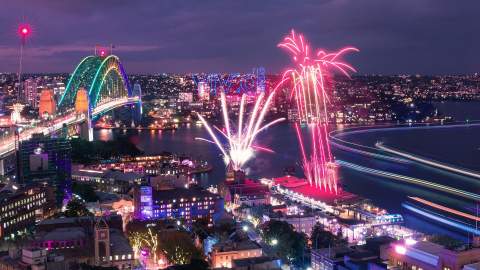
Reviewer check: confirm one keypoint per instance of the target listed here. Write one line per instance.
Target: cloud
(408, 36)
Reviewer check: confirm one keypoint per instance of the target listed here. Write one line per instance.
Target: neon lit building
(187, 205)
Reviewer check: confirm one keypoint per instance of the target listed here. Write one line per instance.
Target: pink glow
(24, 30)
(311, 97)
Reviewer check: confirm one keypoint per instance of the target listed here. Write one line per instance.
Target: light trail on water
(411, 180)
(442, 219)
(444, 208)
(432, 163)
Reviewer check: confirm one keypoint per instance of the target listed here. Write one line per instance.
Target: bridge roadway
(7, 144)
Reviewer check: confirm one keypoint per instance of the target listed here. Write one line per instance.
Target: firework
(310, 94)
(240, 145)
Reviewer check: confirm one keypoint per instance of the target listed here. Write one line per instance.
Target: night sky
(394, 36)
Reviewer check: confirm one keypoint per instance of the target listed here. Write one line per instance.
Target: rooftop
(178, 193)
(122, 176)
(255, 260)
(72, 233)
(428, 247)
(119, 243)
(241, 244)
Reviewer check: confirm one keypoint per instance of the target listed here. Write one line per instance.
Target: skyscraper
(44, 159)
(30, 92)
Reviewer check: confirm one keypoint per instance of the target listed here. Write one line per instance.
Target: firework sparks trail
(311, 97)
(240, 146)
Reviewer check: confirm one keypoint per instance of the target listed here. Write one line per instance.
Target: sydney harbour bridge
(97, 85)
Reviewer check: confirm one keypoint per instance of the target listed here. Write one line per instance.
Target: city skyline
(402, 38)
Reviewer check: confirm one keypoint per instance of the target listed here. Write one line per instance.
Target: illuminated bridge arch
(104, 79)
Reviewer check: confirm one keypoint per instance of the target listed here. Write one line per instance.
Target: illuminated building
(203, 91)
(110, 180)
(91, 240)
(301, 223)
(20, 208)
(424, 255)
(183, 204)
(81, 101)
(44, 159)
(16, 115)
(236, 247)
(185, 97)
(47, 106)
(30, 92)
(345, 258)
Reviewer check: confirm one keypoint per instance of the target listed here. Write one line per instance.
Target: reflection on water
(104, 135)
(281, 138)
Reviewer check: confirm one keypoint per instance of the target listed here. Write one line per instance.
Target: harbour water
(457, 146)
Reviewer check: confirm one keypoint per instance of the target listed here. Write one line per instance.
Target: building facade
(224, 254)
(424, 255)
(20, 208)
(46, 160)
(183, 204)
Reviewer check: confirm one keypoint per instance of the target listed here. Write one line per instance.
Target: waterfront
(386, 193)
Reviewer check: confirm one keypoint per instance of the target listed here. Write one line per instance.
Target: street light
(245, 228)
(274, 242)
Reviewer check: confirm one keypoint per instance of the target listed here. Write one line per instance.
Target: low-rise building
(90, 240)
(235, 248)
(187, 204)
(109, 181)
(424, 255)
(257, 263)
(303, 223)
(345, 258)
(21, 207)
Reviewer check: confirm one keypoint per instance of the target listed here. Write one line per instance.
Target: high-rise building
(203, 91)
(30, 92)
(44, 159)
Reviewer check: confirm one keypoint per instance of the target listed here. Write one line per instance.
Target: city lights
(400, 249)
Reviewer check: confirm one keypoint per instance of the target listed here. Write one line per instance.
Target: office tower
(44, 159)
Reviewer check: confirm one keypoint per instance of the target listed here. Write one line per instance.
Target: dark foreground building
(46, 160)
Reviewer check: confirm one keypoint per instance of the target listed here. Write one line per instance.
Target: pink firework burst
(311, 96)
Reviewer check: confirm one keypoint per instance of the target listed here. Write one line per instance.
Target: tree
(200, 228)
(76, 208)
(178, 247)
(324, 239)
(224, 228)
(287, 243)
(84, 266)
(85, 191)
